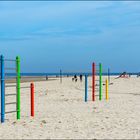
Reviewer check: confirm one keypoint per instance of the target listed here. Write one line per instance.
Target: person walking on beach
(81, 77)
(75, 77)
(46, 77)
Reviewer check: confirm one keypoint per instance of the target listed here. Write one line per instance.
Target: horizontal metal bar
(10, 112)
(10, 85)
(6, 119)
(14, 80)
(10, 60)
(10, 68)
(24, 87)
(10, 94)
(11, 103)
(9, 77)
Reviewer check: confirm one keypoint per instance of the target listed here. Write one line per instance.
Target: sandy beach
(60, 111)
(46, 45)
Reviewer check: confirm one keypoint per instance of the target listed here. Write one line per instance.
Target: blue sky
(69, 35)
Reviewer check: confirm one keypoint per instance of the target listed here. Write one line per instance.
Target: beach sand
(60, 111)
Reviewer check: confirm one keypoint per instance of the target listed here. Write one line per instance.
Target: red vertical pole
(32, 99)
(93, 81)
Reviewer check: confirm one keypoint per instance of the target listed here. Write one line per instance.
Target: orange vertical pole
(32, 99)
(106, 89)
(93, 81)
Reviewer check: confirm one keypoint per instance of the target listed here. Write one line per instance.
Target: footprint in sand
(43, 121)
(107, 117)
(14, 123)
(62, 95)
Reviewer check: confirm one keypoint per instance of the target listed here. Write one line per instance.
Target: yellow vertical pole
(106, 89)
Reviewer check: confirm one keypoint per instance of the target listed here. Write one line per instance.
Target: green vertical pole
(100, 81)
(18, 86)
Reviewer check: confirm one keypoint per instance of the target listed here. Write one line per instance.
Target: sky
(70, 35)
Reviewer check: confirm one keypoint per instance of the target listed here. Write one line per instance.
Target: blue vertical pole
(2, 90)
(60, 76)
(86, 86)
(109, 75)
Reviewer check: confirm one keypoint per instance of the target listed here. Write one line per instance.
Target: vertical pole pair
(32, 99)
(18, 91)
(3, 88)
(93, 81)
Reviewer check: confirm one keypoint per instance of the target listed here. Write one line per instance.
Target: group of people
(123, 75)
(76, 79)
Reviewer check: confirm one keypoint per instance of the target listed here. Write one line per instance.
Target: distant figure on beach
(123, 75)
(72, 79)
(75, 78)
(46, 77)
(81, 77)
(138, 75)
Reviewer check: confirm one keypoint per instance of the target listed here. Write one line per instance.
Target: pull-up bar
(94, 79)
(3, 78)
(93, 83)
